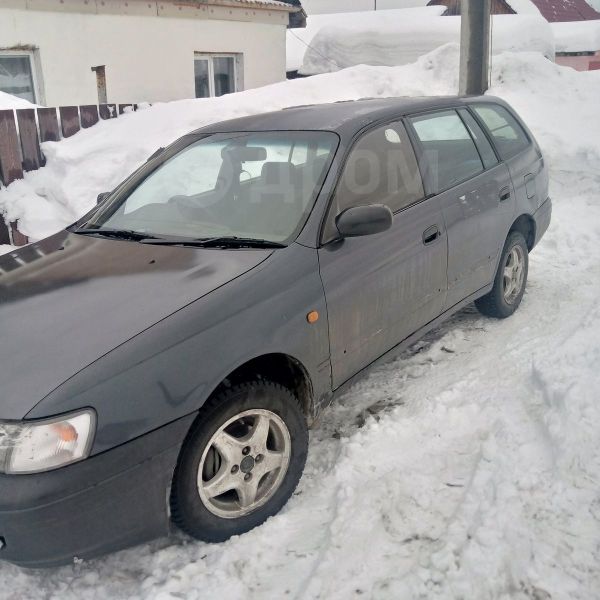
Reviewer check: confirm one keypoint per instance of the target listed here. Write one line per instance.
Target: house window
(216, 74)
(17, 76)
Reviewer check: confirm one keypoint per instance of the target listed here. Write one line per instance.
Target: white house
(69, 52)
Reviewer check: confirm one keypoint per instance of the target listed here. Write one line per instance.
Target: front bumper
(108, 502)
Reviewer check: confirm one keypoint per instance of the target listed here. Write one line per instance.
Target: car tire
(510, 280)
(224, 448)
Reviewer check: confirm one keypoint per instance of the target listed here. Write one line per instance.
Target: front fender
(171, 369)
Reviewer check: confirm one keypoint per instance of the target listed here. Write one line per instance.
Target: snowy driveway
(468, 468)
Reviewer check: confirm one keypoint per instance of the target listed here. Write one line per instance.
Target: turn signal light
(312, 316)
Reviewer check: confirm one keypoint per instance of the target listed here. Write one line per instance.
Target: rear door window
(509, 137)
(449, 151)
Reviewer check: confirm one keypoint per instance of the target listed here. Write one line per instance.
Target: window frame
(237, 71)
(471, 106)
(485, 135)
(322, 241)
(30, 55)
(416, 140)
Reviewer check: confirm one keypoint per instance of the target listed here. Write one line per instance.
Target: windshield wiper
(123, 234)
(217, 242)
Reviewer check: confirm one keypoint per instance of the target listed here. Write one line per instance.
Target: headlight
(30, 447)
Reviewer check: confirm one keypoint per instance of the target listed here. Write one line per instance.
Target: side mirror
(364, 220)
(102, 197)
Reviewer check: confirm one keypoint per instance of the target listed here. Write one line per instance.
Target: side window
(508, 135)
(483, 145)
(381, 169)
(16, 75)
(449, 150)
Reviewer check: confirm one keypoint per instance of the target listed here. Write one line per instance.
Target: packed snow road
(467, 468)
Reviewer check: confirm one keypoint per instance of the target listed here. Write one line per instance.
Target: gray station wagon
(163, 358)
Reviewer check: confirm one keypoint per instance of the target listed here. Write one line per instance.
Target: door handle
(431, 234)
(504, 194)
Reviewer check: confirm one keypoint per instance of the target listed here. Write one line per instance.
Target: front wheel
(241, 461)
(510, 281)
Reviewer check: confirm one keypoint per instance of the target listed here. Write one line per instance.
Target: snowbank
(9, 101)
(469, 468)
(402, 41)
(97, 159)
(298, 40)
(577, 36)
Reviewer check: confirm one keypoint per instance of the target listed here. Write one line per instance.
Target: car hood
(70, 299)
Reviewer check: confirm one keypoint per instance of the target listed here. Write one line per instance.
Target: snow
(298, 40)
(469, 467)
(402, 40)
(338, 6)
(577, 36)
(524, 7)
(5, 248)
(8, 101)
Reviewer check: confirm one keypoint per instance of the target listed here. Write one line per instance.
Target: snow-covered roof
(320, 7)
(402, 41)
(579, 36)
(298, 40)
(562, 10)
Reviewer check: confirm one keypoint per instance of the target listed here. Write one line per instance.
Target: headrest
(278, 173)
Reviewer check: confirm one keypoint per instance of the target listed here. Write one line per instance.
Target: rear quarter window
(509, 136)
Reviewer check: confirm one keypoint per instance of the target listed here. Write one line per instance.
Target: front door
(381, 288)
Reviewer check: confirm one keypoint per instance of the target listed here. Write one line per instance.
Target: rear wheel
(510, 281)
(241, 461)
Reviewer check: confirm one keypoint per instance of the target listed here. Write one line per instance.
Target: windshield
(244, 185)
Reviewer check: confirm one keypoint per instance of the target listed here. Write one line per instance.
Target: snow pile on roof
(338, 6)
(8, 101)
(298, 40)
(467, 469)
(577, 36)
(524, 7)
(399, 42)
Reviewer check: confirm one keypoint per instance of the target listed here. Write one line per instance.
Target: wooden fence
(23, 130)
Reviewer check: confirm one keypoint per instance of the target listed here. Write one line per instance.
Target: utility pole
(474, 46)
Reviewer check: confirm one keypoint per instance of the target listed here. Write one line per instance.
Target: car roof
(345, 118)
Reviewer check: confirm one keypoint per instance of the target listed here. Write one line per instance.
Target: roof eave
(255, 5)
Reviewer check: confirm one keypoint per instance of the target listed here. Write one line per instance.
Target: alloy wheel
(244, 463)
(513, 276)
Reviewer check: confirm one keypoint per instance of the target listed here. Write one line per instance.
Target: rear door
(381, 288)
(475, 195)
(521, 154)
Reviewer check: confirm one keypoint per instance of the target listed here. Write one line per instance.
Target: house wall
(149, 56)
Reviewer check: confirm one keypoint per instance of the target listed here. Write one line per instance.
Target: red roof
(566, 10)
